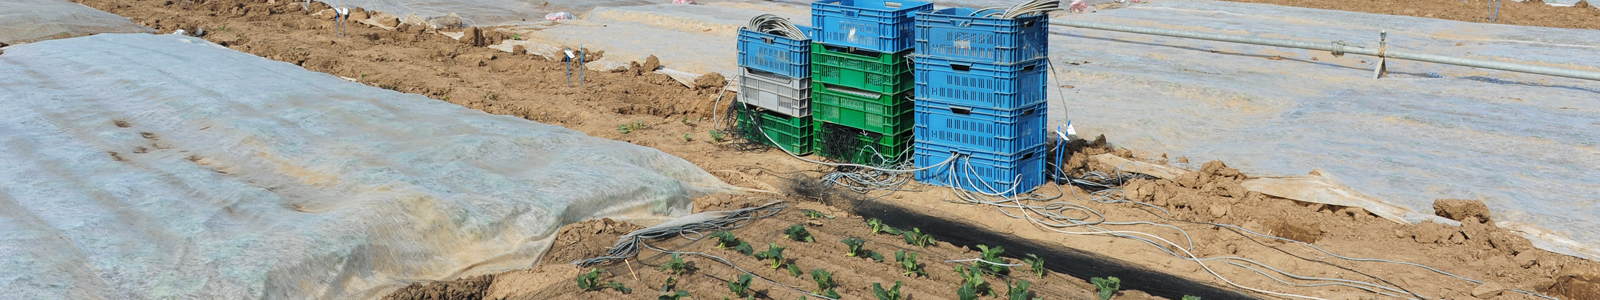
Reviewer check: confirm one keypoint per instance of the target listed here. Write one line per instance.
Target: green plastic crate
(846, 144)
(888, 114)
(791, 133)
(887, 73)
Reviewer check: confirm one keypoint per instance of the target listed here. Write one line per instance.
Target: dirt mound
(1460, 210)
(1576, 285)
(470, 288)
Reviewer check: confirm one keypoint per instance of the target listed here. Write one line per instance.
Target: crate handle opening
(1027, 112)
(1027, 156)
(850, 14)
(960, 110)
(960, 67)
(767, 40)
(1027, 24)
(1028, 68)
(891, 4)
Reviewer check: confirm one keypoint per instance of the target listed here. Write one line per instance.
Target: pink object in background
(1079, 6)
(683, 2)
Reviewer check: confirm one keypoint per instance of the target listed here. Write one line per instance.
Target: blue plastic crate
(1006, 174)
(952, 33)
(775, 53)
(980, 130)
(873, 25)
(980, 85)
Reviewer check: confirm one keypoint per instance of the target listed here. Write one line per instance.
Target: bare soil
(1526, 13)
(676, 118)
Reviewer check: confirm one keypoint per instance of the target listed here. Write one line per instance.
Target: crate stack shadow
(980, 98)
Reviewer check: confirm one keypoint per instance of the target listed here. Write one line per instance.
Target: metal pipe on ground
(1339, 49)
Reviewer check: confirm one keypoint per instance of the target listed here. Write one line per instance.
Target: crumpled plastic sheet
(137, 166)
(23, 21)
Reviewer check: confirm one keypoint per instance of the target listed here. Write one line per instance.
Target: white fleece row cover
(137, 166)
(26, 21)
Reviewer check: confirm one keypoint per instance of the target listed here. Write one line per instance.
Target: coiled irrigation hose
(773, 24)
(1021, 9)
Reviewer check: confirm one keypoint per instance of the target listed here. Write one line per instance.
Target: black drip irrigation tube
(1061, 260)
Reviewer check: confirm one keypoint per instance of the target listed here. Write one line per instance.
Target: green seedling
(972, 281)
(686, 137)
(992, 262)
(916, 238)
(676, 295)
(618, 286)
(794, 270)
(1018, 292)
(716, 136)
(223, 28)
(1189, 297)
(672, 284)
(685, 121)
(908, 262)
(966, 293)
(744, 248)
(889, 294)
(725, 239)
(1108, 286)
(854, 249)
(823, 279)
(1036, 263)
(773, 253)
(814, 214)
(676, 266)
(626, 128)
(798, 233)
(741, 286)
(878, 226)
(590, 281)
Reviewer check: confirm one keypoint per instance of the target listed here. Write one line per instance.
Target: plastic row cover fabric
(25, 21)
(136, 166)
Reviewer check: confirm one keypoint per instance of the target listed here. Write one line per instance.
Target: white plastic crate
(777, 93)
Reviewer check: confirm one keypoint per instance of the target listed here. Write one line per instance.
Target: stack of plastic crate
(863, 81)
(775, 90)
(980, 100)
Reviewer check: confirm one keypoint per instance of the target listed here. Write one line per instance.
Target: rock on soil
(1460, 210)
(1488, 290)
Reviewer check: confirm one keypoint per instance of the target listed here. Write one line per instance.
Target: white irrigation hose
(773, 24)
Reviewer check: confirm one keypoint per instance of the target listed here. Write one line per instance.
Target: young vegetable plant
(675, 295)
(1018, 292)
(798, 233)
(908, 262)
(825, 284)
(814, 214)
(972, 283)
(591, 282)
(916, 238)
(992, 262)
(676, 266)
(716, 136)
(741, 287)
(773, 253)
(1108, 286)
(1036, 263)
(726, 239)
(889, 294)
(878, 226)
(1189, 297)
(855, 249)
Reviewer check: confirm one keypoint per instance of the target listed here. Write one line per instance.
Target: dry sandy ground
(1528, 13)
(676, 119)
